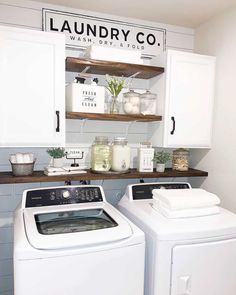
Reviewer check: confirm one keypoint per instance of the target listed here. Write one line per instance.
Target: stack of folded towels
(66, 170)
(181, 203)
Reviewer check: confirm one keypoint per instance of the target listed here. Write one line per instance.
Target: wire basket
(22, 169)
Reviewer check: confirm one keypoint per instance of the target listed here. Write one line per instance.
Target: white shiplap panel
(6, 285)
(7, 203)
(107, 126)
(179, 40)
(20, 187)
(73, 138)
(20, 17)
(6, 251)
(6, 267)
(6, 189)
(6, 235)
(6, 219)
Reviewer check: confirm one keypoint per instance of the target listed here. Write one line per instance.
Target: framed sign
(84, 30)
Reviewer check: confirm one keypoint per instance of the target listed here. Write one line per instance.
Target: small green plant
(115, 84)
(161, 157)
(56, 153)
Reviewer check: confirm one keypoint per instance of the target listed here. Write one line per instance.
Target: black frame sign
(84, 30)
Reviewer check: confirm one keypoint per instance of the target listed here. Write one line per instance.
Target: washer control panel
(63, 196)
(144, 191)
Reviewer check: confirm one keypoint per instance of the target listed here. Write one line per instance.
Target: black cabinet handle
(58, 121)
(173, 128)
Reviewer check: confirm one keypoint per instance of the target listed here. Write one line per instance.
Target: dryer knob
(66, 194)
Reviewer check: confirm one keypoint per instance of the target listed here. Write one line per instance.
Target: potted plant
(114, 86)
(160, 158)
(57, 154)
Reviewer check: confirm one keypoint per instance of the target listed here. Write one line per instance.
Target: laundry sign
(84, 30)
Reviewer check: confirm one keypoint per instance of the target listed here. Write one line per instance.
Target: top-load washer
(69, 241)
(185, 256)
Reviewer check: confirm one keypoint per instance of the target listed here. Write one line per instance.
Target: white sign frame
(84, 30)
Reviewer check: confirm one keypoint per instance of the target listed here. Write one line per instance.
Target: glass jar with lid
(120, 155)
(131, 102)
(148, 102)
(101, 154)
(180, 159)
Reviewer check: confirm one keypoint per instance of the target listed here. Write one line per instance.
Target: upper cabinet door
(32, 100)
(189, 100)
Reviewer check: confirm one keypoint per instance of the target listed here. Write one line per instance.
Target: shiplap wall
(28, 14)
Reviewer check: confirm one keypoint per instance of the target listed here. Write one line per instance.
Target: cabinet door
(204, 269)
(189, 100)
(32, 71)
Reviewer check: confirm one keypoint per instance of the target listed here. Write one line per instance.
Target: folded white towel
(185, 213)
(113, 54)
(178, 199)
(54, 173)
(51, 169)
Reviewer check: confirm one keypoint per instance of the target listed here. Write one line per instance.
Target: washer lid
(74, 226)
(149, 219)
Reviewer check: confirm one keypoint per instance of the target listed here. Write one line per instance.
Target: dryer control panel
(63, 196)
(143, 191)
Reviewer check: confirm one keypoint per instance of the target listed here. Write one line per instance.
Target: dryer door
(205, 268)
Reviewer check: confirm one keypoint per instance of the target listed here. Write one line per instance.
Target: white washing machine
(69, 241)
(185, 256)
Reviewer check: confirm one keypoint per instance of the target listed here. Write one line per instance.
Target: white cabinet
(185, 94)
(32, 92)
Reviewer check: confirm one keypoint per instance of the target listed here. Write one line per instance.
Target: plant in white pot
(160, 158)
(57, 155)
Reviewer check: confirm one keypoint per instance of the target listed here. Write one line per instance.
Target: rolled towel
(26, 158)
(178, 199)
(19, 158)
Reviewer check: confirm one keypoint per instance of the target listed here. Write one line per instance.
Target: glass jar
(120, 155)
(101, 154)
(148, 103)
(180, 159)
(131, 102)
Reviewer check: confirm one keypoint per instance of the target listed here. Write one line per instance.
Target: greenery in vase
(115, 84)
(161, 157)
(56, 153)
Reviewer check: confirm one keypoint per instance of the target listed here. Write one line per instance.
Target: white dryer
(185, 256)
(69, 241)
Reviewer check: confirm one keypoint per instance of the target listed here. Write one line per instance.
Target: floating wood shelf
(101, 67)
(113, 117)
(38, 176)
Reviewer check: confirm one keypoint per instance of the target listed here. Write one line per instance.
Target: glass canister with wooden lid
(180, 159)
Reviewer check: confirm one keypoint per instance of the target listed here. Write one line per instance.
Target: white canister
(120, 155)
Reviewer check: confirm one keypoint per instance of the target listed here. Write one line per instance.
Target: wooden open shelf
(38, 176)
(113, 117)
(101, 67)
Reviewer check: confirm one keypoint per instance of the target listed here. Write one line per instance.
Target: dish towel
(181, 199)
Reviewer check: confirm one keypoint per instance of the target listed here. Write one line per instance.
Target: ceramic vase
(160, 167)
(57, 162)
